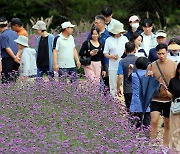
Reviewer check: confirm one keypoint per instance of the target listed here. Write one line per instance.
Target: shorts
(163, 108)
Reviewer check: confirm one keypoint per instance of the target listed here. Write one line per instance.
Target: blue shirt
(135, 101)
(7, 38)
(152, 55)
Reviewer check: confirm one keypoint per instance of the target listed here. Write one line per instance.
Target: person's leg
(147, 119)
(97, 70)
(39, 72)
(113, 82)
(72, 72)
(89, 73)
(7, 67)
(166, 132)
(154, 123)
(128, 97)
(166, 113)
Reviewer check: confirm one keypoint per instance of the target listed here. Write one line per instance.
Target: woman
(174, 92)
(133, 26)
(95, 51)
(137, 39)
(44, 47)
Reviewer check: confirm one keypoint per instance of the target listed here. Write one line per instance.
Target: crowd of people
(111, 57)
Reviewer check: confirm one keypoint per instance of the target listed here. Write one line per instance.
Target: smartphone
(96, 50)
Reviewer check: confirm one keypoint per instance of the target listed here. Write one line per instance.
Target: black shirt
(174, 87)
(98, 57)
(43, 53)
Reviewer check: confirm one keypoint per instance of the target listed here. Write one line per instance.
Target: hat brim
(115, 31)
(174, 47)
(21, 43)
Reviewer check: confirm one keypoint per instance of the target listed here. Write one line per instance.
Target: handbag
(84, 60)
(175, 106)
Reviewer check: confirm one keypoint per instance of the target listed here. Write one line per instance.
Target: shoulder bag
(86, 60)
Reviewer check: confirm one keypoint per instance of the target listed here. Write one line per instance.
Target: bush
(58, 117)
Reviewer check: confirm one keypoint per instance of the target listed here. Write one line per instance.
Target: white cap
(161, 33)
(22, 40)
(67, 24)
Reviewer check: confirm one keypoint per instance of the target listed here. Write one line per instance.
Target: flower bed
(54, 117)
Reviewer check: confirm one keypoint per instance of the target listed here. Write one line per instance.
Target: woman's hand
(103, 74)
(93, 52)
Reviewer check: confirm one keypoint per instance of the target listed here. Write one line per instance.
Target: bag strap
(88, 46)
(138, 77)
(162, 74)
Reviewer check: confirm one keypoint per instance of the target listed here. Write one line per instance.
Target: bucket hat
(40, 25)
(117, 28)
(22, 40)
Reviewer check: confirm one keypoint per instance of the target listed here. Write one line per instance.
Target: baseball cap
(134, 18)
(161, 33)
(67, 24)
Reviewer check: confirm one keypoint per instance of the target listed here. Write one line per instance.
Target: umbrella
(149, 85)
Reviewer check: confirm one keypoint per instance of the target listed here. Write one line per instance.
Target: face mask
(135, 25)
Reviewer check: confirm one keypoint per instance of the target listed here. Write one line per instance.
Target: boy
(28, 66)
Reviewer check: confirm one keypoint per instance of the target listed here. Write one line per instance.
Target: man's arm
(55, 63)
(76, 57)
(11, 54)
(119, 82)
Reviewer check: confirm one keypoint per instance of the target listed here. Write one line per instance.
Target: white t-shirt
(147, 40)
(65, 48)
(115, 46)
(175, 58)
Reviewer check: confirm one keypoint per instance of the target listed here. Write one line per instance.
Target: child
(135, 107)
(28, 68)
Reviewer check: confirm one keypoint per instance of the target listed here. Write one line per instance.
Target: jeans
(44, 70)
(70, 73)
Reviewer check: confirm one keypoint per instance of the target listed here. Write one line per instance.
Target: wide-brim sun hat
(22, 40)
(67, 24)
(40, 25)
(173, 46)
(117, 28)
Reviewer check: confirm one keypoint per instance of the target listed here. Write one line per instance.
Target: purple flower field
(58, 117)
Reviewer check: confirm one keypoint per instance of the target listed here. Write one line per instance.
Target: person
(173, 92)
(149, 38)
(28, 68)
(44, 48)
(133, 26)
(161, 37)
(9, 49)
(135, 105)
(161, 103)
(93, 70)
(65, 53)
(174, 49)
(113, 50)
(17, 26)
(109, 21)
(122, 72)
(99, 23)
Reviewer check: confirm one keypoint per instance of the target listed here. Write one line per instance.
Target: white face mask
(135, 25)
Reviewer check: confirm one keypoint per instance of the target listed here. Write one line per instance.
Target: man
(65, 53)
(149, 39)
(161, 37)
(9, 49)
(123, 69)
(109, 21)
(161, 102)
(17, 26)
(113, 50)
